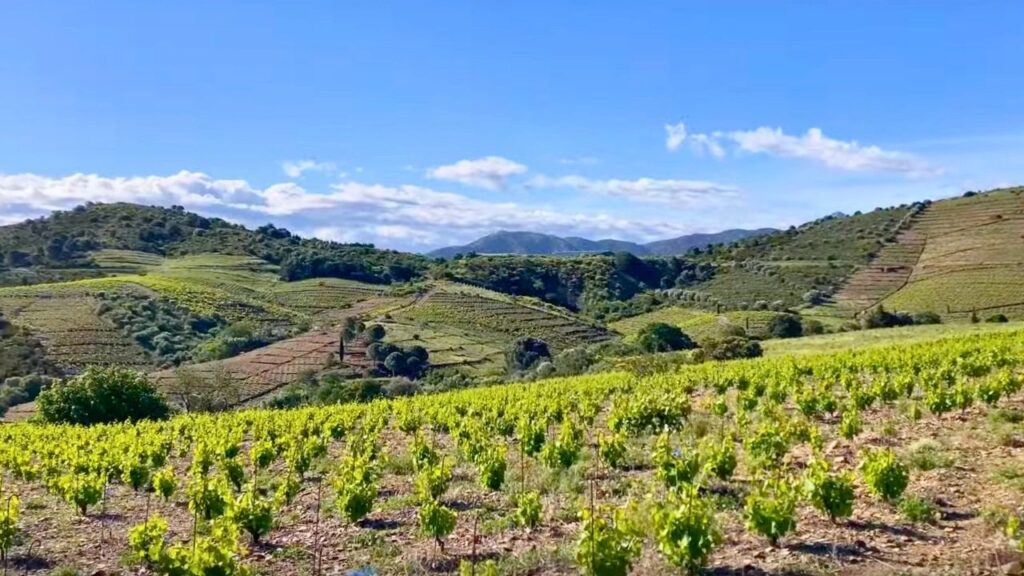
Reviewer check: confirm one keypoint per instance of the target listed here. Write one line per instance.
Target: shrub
(574, 361)
(812, 327)
(18, 390)
(927, 318)
(441, 379)
(927, 455)
(231, 341)
(770, 510)
(997, 319)
(814, 297)
(100, 395)
(607, 546)
(732, 348)
(528, 510)
(919, 510)
(661, 337)
(686, 531)
(884, 474)
(338, 391)
(829, 492)
(785, 326)
(881, 318)
(525, 353)
(399, 387)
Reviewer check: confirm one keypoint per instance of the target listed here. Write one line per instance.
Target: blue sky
(418, 124)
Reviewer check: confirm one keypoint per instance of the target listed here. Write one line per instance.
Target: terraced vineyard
(819, 255)
(958, 256)
(260, 372)
(886, 274)
(500, 318)
(71, 331)
(319, 295)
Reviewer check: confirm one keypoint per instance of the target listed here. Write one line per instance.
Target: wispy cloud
(490, 172)
(814, 145)
(296, 168)
(678, 192)
(675, 134)
(579, 161)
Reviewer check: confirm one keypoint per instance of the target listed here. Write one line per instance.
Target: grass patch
(928, 455)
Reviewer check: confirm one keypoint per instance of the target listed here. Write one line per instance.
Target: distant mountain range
(506, 242)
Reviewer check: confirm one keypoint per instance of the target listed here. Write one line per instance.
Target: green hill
(955, 257)
(61, 245)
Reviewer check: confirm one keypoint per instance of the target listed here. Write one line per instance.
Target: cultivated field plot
(887, 273)
(318, 295)
(72, 333)
(898, 460)
(737, 286)
(266, 369)
(700, 325)
(470, 351)
(973, 257)
(500, 320)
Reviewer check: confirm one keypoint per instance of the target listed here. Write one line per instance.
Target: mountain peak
(528, 242)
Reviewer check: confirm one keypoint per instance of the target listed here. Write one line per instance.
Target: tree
(525, 353)
(662, 337)
(814, 297)
(100, 395)
(351, 328)
(395, 363)
(375, 333)
(785, 326)
(193, 392)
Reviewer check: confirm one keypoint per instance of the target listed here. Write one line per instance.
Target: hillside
(60, 245)
(785, 266)
(593, 284)
(151, 287)
(955, 257)
(534, 243)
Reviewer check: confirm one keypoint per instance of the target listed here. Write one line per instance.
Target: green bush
(732, 348)
(525, 353)
(19, 390)
(785, 326)
(661, 337)
(881, 318)
(99, 395)
(997, 319)
(812, 327)
(918, 510)
(927, 318)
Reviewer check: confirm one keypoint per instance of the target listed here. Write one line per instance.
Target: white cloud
(400, 216)
(41, 193)
(675, 134)
(679, 192)
(813, 145)
(491, 172)
(296, 168)
(702, 143)
(843, 155)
